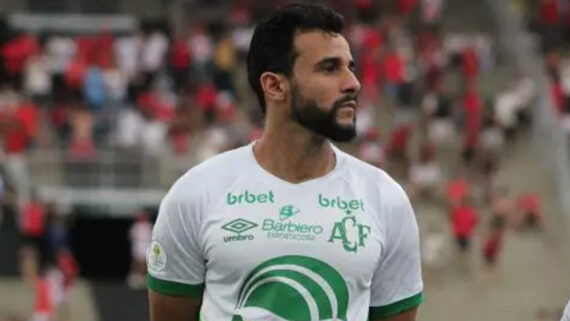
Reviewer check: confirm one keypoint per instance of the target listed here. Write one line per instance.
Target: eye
(329, 68)
(352, 67)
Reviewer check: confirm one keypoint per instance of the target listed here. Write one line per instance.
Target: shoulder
(385, 195)
(375, 180)
(212, 174)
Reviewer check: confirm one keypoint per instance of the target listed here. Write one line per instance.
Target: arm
(173, 308)
(176, 268)
(409, 315)
(396, 289)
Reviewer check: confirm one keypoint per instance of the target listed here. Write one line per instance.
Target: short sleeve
(397, 282)
(176, 264)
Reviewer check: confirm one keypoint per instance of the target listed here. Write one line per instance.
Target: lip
(349, 104)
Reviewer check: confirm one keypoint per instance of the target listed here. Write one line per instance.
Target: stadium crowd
(160, 91)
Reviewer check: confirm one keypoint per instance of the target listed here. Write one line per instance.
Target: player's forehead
(313, 46)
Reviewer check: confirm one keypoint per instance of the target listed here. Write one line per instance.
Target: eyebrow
(335, 61)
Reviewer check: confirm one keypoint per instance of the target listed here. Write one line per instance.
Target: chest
(250, 226)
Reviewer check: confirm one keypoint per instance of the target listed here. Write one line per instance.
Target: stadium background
(103, 104)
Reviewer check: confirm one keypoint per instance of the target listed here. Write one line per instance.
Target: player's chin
(345, 119)
(343, 133)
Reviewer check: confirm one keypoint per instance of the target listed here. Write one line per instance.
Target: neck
(294, 154)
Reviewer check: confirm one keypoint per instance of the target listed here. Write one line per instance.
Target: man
(289, 227)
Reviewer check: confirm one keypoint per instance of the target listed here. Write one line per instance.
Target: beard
(308, 114)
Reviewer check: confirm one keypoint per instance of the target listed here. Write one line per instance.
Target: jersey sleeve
(176, 264)
(397, 282)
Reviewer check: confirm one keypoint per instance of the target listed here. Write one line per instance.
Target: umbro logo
(238, 226)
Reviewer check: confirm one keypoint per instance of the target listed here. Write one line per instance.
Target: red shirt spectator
(75, 73)
(103, 53)
(16, 136)
(32, 223)
(372, 40)
(393, 68)
(157, 108)
(530, 208)
(548, 13)
(456, 192)
(206, 97)
(27, 113)
(406, 6)
(470, 64)
(68, 267)
(398, 143)
(370, 71)
(17, 52)
(464, 219)
(557, 97)
(43, 301)
(473, 117)
(180, 55)
(492, 245)
(528, 202)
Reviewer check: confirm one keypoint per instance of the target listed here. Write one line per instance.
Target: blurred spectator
(529, 209)
(153, 55)
(397, 148)
(464, 219)
(405, 7)
(473, 112)
(456, 192)
(127, 52)
(470, 64)
(44, 299)
(16, 53)
(371, 149)
(201, 50)
(37, 78)
(425, 175)
(549, 19)
(502, 209)
(82, 122)
(94, 91)
(32, 229)
(393, 71)
(225, 60)
(434, 252)
(140, 237)
(431, 10)
(70, 271)
(490, 149)
(180, 60)
(56, 233)
(492, 244)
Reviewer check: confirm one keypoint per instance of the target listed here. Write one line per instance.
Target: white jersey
(256, 247)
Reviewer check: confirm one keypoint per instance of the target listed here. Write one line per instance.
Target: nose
(350, 84)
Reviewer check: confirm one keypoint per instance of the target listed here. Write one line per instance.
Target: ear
(275, 86)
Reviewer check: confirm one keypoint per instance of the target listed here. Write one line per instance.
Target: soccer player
(289, 227)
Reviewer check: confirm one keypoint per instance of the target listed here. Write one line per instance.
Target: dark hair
(272, 48)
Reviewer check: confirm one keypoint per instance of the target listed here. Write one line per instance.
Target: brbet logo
(249, 198)
(345, 205)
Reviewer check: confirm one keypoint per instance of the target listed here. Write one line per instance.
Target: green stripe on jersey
(396, 307)
(174, 288)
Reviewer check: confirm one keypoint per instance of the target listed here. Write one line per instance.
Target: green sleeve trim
(396, 308)
(174, 288)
